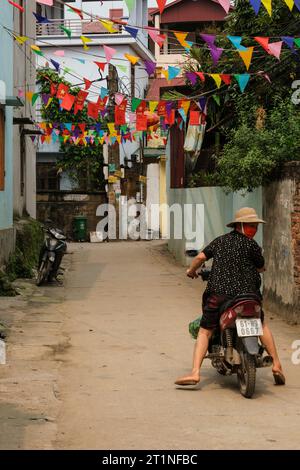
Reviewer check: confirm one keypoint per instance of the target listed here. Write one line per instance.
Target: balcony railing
(77, 28)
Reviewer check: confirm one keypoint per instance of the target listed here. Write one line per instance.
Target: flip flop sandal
(279, 378)
(184, 383)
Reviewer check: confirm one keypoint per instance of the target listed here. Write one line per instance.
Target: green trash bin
(80, 228)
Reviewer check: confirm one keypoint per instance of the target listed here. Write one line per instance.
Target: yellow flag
(165, 73)
(132, 58)
(268, 6)
(111, 128)
(153, 106)
(290, 4)
(247, 56)
(185, 105)
(182, 39)
(216, 78)
(49, 102)
(21, 39)
(85, 40)
(29, 95)
(119, 138)
(109, 25)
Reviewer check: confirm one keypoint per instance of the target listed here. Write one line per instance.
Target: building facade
(6, 134)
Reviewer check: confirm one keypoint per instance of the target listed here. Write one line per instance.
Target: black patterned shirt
(236, 259)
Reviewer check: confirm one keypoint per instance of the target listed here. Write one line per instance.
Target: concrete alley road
(99, 371)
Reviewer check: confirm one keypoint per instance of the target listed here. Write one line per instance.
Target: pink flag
(275, 49)
(59, 53)
(109, 53)
(46, 2)
(225, 4)
(156, 37)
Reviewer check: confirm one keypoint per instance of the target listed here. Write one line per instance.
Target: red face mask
(249, 230)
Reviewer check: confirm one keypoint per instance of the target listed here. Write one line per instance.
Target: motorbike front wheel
(247, 375)
(43, 272)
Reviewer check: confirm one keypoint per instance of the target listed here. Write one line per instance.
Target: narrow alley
(92, 365)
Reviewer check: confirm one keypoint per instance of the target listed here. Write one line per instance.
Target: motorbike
(235, 346)
(52, 252)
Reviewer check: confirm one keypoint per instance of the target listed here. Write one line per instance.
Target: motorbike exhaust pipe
(267, 361)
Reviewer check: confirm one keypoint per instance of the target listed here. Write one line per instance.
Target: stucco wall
(24, 73)
(282, 244)
(6, 75)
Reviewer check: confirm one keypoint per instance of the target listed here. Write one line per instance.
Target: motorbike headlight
(53, 243)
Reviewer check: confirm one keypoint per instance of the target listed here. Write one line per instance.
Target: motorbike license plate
(249, 327)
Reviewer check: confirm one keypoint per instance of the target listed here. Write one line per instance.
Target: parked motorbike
(53, 249)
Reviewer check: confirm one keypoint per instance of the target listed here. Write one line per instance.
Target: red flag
(195, 118)
(226, 78)
(161, 5)
(68, 101)
(141, 122)
(82, 127)
(88, 83)
(120, 111)
(264, 42)
(53, 89)
(93, 110)
(201, 75)
(101, 65)
(170, 118)
(79, 12)
(161, 108)
(62, 91)
(102, 103)
(80, 99)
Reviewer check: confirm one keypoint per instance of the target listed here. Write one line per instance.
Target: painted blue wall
(6, 75)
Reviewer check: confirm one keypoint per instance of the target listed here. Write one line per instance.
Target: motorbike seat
(239, 298)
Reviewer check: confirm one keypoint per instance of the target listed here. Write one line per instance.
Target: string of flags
(161, 4)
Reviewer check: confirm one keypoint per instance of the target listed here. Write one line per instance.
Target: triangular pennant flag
(59, 53)
(181, 38)
(37, 50)
(165, 73)
(236, 41)
(133, 59)
(297, 42)
(275, 49)
(135, 102)
(152, 106)
(109, 26)
(255, 5)
(85, 40)
(130, 5)
(66, 30)
(34, 98)
(202, 103)
(216, 78)
(268, 6)
(242, 80)
(264, 42)
(201, 75)
(88, 83)
(101, 65)
(150, 67)
(226, 78)
(41, 19)
(156, 37)
(109, 53)
(192, 77)
(21, 39)
(297, 3)
(77, 11)
(247, 56)
(209, 38)
(173, 72)
(182, 114)
(225, 4)
(289, 41)
(104, 92)
(290, 4)
(55, 64)
(123, 68)
(161, 5)
(132, 31)
(216, 53)
(119, 98)
(217, 99)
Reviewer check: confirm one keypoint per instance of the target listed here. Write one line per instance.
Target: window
(2, 150)
(47, 177)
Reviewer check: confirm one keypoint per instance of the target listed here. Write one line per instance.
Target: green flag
(135, 102)
(66, 30)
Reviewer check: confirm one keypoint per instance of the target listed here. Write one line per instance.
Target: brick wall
(281, 203)
(63, 206)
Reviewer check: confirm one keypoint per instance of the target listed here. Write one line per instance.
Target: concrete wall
(282, 244)
(6, 75)
(24, 74)
(218, 210)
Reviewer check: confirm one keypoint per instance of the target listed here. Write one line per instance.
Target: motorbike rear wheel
(247, 375)
(43, 272)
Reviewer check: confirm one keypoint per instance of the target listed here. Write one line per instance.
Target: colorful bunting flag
(275, 49)
(247, 56)
(130, 5)
(242, 80)
(173, 72)
(236, 41)
(161, 5)
(133, 59)
(109, 26)
(132, 31)
(66, 30)
(150, 67)
(109, 53)
(216, 78)
(268, 6)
